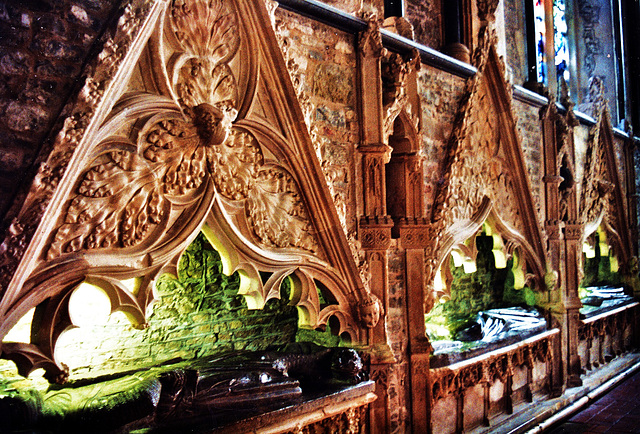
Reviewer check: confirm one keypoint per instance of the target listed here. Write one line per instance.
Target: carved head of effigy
(370, 310)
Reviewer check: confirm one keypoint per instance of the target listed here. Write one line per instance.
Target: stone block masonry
(43, 45)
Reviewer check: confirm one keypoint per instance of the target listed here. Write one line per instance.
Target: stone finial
(370, 40)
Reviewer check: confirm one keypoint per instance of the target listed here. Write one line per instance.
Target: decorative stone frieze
(498, 365)
(612, 333)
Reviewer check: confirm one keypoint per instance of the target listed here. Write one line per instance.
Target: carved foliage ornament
(484, 173)
(132, 187)
(596, 187)
(155, 166)
(370, 41)
(50, 172)
(478, 169)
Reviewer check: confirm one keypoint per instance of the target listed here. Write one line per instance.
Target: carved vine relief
(174, 155)
(178, 149)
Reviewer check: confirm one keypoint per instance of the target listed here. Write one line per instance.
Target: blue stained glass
(560, 40)
(540, 29)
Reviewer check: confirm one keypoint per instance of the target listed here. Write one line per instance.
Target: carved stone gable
(601, 191)
(198, 129)
(481, 168)
(485, 173)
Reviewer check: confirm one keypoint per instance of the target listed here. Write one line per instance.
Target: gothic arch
(404, 173)
(602, 201)
(485, 176)
(188, 119)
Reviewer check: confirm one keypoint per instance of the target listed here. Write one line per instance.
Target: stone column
(414, 236)
(572, 304)
(375, 225)
(555, 248)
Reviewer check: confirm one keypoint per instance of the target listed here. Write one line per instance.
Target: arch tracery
(186, 144)
(485, 180)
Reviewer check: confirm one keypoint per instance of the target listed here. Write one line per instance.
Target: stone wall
(358, 7)
(530, 130)
(440, 95)
(43, 46)
(322, 64)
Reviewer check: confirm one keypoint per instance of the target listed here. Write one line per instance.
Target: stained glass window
(539, 26)
(560, 40)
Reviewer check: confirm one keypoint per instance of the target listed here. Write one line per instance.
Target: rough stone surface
(43, 44)
(397, 319)
(440, 95)
(530, 131)
(322, 64)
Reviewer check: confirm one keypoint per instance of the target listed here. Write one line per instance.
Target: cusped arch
(460, 239)
(175, 143)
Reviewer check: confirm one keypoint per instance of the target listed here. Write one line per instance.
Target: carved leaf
(277, 213)
(177, 154)
(207, 32)
(125, 194)
(235, 165)
(200, 80)
(206, 28)
(92, 222)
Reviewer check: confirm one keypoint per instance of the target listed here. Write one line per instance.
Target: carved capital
(376, 237)
(554, 230)
(415, 236)
(573, 231)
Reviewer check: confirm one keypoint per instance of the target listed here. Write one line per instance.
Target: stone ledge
(526, 416)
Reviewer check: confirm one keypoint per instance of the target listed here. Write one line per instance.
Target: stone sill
(473, 358)
(314, 408)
